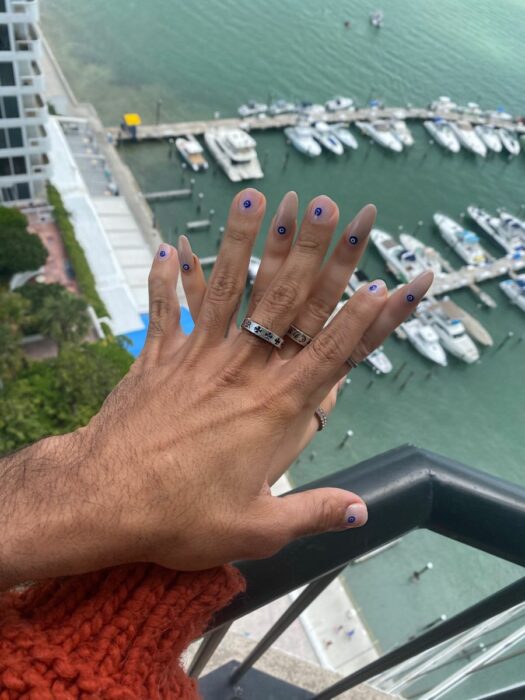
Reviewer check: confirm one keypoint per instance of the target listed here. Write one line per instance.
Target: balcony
(37, 140)
(31, 79)
(27, 41)
(24, 11)
(405, 489)
(39, 166)
(34, 108)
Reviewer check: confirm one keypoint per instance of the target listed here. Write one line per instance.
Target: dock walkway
(159, 132)
(470, 276)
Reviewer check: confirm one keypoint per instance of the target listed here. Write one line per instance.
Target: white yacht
(429, 258)
(473, 326)
(253, 268)
(381, 132)
(510, 141)
(465, 243)
(377, 18)
(451, 333)
(339, 103)
(311, 110)
(401, 262)
(468, 137)
(512, 222)
(514, 288)
(235, 152)
(192, 152)
(252, 109)
(500, 229)
(425, 340)
(343, 133)
(326, 137)
(402, 132)
(281, 107)
(489, 136)
(301, 138)
(441, 132)
(443, 104)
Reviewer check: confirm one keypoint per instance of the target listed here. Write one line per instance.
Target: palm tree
(63, 318)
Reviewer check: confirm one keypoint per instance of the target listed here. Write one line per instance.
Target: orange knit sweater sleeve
(116, 634)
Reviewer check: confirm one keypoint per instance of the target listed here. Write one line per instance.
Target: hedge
(75, 253)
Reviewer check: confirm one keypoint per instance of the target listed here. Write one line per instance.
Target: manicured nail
(286, 216)
(360, 227)
(249, 200)
(185, 254)
(419, 286)
(164, 251)
(321, 210)
(377, 287)
(356, 515)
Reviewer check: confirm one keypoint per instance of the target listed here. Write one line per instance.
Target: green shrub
(75, 253)
(20, 251)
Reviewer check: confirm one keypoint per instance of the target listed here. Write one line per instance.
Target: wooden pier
(168, 194)
(159, 132)
(471, 276)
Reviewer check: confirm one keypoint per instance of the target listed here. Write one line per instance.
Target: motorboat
(489, 135)
(474, 328)
(380, 131)
(401, 262)
(441, 132)
(345, 136)
(443, 104)
(429, 258)
(253, 269)
(468, 137)
(510, 141)
(377, 18)
(326, 137)
(473, 108)
(311, 110)
(302, 139)
(281, 107)
(501, 229)
(339, 103)
(425, 340)
(402, 132)
(252, 109)
(514, 288)
(235, 151)
(512, 222)
(451, 332)
(192, 152)
(465, 243)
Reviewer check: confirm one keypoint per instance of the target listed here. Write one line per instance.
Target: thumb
(319, 510)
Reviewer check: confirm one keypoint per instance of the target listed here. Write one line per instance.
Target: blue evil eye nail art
(281, 230)
(354, 240)
(318, 211)
(351, 520)
(247, 203)
(186, 267)
(162, 254)
(410, 297)
(372, 288)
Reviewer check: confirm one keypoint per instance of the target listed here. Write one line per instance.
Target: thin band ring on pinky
(261, 332)
(322, 417)
(299, 336)
(352, 363)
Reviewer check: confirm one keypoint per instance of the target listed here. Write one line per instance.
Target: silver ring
(322, 417)
(352, 363)
(299, 336)
(261, 332)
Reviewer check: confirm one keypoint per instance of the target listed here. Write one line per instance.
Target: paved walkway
(55, 269)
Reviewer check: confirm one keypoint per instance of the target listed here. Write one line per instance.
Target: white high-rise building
(24, 165)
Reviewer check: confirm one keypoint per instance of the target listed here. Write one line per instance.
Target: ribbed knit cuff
(116, 634)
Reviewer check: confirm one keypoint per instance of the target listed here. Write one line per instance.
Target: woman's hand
(176, 467)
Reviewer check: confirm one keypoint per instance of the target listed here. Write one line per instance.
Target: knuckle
(318, 308)
(326, 347)
(240, 234)
(283, 296)
(223, 287)
(309, 242)
(362, 349)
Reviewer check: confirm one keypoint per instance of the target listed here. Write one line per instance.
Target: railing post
(206, 650)
(309, 594)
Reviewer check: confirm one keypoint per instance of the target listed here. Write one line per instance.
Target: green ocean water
(204, 57)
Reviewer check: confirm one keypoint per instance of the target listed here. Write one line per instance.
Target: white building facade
(24, 142)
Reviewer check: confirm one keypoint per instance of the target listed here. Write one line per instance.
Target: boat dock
(168, 194)
(470, 276)
(159, 132)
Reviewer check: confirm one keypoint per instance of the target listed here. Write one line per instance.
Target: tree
(11, 356)
(61, 316)
(20, 251)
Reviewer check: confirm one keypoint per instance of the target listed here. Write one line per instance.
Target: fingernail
(249, 200)
(360, 227)
(377, 287)
(286, 216)
(321, 209)
(185, 254)
(356, 515)
(419, 286)
(164, 251)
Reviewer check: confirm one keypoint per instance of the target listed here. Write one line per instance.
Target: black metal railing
(405, 489)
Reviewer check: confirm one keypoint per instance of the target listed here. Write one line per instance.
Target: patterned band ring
(261, 332)
(352, 363)
(322, 417)
(298, 336)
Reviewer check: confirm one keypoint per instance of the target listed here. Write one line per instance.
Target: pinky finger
(193, 280)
